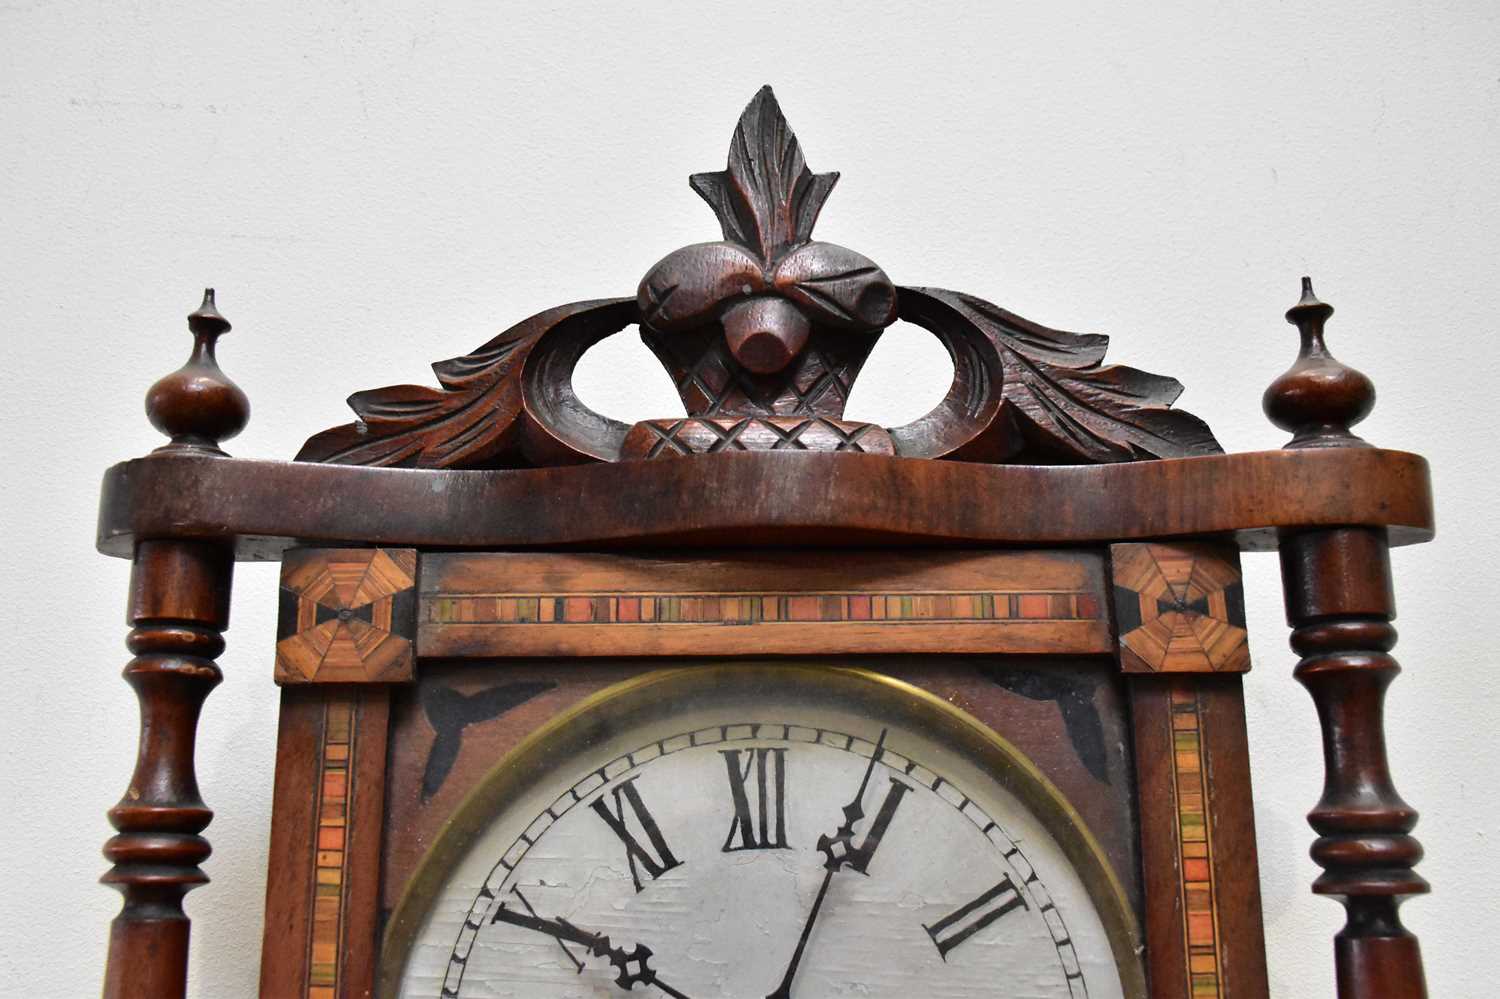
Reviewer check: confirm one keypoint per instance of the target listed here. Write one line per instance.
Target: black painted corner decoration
(451, 711)
(763, 333)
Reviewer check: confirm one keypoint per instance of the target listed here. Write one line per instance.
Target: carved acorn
(766, 282)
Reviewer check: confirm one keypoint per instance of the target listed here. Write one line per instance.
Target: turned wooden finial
(198, 405)
(1319, 398)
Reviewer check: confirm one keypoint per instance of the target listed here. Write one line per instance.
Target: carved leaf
(768, 199)
(837, 286)
(1071, 408)
(474, 421)
(687, 286)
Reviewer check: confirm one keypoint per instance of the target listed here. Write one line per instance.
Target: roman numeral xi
(653, 856)
(967, 920)
(759, 824)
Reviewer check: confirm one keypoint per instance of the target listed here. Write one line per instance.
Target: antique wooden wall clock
(761, 701)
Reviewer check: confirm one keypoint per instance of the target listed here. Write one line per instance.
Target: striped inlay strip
(330, 856)
(1195, 841)
(757, 608)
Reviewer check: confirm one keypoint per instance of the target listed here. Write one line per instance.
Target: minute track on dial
(632, 966)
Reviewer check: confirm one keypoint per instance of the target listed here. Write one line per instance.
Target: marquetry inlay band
(758, 608)
(330, 849)
(1200, 910)
(778, 603)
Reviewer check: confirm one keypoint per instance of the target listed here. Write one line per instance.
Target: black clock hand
(632, 965)
(839, 852)
(784, 990)
(562, 944)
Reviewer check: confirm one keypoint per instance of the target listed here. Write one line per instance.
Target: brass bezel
(654, 694)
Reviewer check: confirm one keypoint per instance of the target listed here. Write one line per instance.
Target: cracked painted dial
(780, 833)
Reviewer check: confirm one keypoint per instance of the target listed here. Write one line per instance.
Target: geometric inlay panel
(1179, 608)
(348, 615)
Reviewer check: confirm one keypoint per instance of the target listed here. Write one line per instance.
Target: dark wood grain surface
(762, 498)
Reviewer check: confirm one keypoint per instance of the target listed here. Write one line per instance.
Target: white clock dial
(774, 832)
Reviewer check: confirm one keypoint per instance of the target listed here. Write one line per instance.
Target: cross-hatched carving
(671, 438)
(712, 384)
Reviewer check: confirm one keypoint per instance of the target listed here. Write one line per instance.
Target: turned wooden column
(179, 605)
(1340, 606)
(178, 609)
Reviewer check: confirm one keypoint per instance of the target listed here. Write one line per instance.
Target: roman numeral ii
(967, 920)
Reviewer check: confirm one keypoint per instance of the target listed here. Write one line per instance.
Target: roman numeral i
(654, 856)
(763, 826)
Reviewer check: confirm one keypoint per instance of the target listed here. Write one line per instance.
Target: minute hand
(839, 851)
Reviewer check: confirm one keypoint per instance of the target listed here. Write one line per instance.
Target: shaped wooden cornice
(764, 333)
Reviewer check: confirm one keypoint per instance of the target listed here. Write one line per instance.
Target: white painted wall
(373, 186)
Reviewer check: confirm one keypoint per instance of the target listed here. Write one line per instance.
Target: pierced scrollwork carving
(1026, 392)
(504, 405)
(764, 333)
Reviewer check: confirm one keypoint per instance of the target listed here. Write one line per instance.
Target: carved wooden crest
(764, 333)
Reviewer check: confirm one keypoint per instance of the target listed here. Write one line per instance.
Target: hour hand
(632, 965)
(597, 944)
(839, 850)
